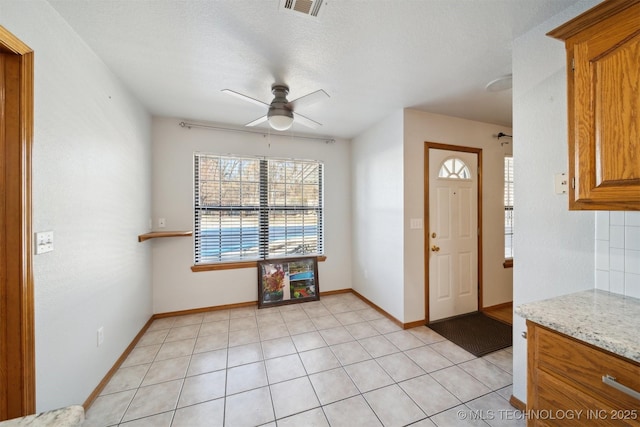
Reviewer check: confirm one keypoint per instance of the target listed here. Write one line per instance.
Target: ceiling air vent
(305, 7)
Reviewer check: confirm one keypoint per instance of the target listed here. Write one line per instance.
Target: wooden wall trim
(17, 355)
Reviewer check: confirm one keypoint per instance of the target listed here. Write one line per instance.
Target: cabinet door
(604, 91)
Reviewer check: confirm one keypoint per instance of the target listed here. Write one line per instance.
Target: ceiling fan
(280, 114)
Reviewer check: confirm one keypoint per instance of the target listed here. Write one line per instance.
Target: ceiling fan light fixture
(280, 119)
(500, 84)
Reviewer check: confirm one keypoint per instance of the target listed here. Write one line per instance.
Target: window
(508, 207)
(454, 168)
(248, 209)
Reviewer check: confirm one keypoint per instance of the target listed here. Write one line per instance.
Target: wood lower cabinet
(565, 383)
(603, 83)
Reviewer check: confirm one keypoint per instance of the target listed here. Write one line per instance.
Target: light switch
(415, 223)
(44, 242)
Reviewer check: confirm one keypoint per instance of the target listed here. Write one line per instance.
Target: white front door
(452, 233)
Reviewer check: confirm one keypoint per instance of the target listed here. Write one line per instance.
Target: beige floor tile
(426, 335)
(201, 388)
(171, 350)
(154, 399)
(284, 368)
(394, 408)
(164, 323)
(428, 359)
(188, 319)
(278, 347)
(207, 362)
(487, 373)
(452, 351)
(249, 409)
(378, 346)
(211, 342)
(325, 322)
(166, 370)
(269, 317)
(244, 354)
(337, 335)
(246, 377)
(240, 323)
(352, 412)
(183, 333)
(293, 396)
(370, 314)
(108, 410)
(308, 341)
(503, 359)
(315, 310)
(331, 386)
(384, 325)
(216, 315)
(429, 394)
(350, 352)
(320, 359)
(293, 315)
(216, 327)
(160, 420)
(153, 337)
(270, 332)
(243, 336)
(312, 418)
(498, 412)
(404, 340)
(338, 307)
(400, 367)
(242, 312)
(141, 355)
(207, 414)
(458, 416)
(460, 384)
(349, 318)
(296, 327)
(126, 378)
(361, 330)
(368, 375)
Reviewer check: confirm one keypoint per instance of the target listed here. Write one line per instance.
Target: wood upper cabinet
(603, 68)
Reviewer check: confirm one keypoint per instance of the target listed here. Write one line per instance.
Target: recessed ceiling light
(499, 84)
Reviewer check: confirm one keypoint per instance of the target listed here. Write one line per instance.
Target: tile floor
(333, 362)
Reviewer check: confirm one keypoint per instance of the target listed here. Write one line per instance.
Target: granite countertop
(64, 417)
(602, 319)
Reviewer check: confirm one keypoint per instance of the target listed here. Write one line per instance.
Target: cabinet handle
(611, 381)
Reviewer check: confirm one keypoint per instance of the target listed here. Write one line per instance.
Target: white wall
(388, 188)
(91, 186)
(420, 127)
(554, 247)
(378, 215)
(175, 286)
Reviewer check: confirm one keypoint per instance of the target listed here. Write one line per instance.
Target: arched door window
(454, 168)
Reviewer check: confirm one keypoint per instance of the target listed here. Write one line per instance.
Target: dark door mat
(475, 332)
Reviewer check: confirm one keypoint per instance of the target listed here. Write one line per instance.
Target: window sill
(508, 263)
(234, 265)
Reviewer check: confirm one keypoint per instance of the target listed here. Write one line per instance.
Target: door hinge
(573, 64)
(573, 183)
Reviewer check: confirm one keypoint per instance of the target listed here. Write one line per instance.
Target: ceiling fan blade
(257, 121)
(308, 99)
(306, 121)
(245, 97)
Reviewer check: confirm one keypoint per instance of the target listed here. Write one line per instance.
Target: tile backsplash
(618, 252)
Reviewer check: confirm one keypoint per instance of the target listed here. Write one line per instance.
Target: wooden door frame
(478, 152)
(17, 337)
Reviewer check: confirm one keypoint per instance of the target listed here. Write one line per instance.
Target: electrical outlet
(100, 335)
(162, 223)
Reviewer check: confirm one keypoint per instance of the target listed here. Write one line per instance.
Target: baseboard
(96, 392)
(517, 403)
(387, 315)
(497, 306)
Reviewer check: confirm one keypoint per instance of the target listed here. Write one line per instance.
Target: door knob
(435, 248)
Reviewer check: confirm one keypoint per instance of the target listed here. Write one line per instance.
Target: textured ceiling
(372, 57)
